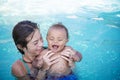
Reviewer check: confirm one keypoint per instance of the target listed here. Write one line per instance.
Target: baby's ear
(67, 40)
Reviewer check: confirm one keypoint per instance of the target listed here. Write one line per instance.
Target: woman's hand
(48, 60)
(68, 52)
(68, 55)
(72, 54)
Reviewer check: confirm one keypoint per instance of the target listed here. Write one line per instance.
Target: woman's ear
(19, 47)
(24, 49)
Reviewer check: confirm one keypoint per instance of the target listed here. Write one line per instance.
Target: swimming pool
(94, 29)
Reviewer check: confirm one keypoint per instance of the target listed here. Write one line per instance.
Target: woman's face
(35, 44)
(57, 39)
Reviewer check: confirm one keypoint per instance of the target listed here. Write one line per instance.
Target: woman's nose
(40, 43)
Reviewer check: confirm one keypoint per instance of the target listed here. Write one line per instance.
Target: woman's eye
(51, 38)
(35, 43)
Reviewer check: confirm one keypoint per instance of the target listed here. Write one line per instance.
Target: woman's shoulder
(18, 69)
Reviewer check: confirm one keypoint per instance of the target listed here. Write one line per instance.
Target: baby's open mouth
(55, 47)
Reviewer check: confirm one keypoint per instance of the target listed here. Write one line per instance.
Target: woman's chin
(37, 53)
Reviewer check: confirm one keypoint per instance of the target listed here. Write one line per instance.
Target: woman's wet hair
(21, 31)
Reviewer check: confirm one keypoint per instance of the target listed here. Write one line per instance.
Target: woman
(29, 42)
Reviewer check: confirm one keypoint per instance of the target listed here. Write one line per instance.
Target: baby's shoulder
(68, 47)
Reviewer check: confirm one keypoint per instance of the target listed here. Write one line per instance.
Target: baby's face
(57, 38)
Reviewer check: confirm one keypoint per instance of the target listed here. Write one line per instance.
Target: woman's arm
(41, 75)
(23, 78)
(19, 71)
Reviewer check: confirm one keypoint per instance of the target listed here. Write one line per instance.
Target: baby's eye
(60, 39)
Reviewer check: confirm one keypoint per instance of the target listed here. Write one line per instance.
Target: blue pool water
(94, 29)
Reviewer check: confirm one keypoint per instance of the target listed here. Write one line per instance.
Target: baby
(57, 37)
